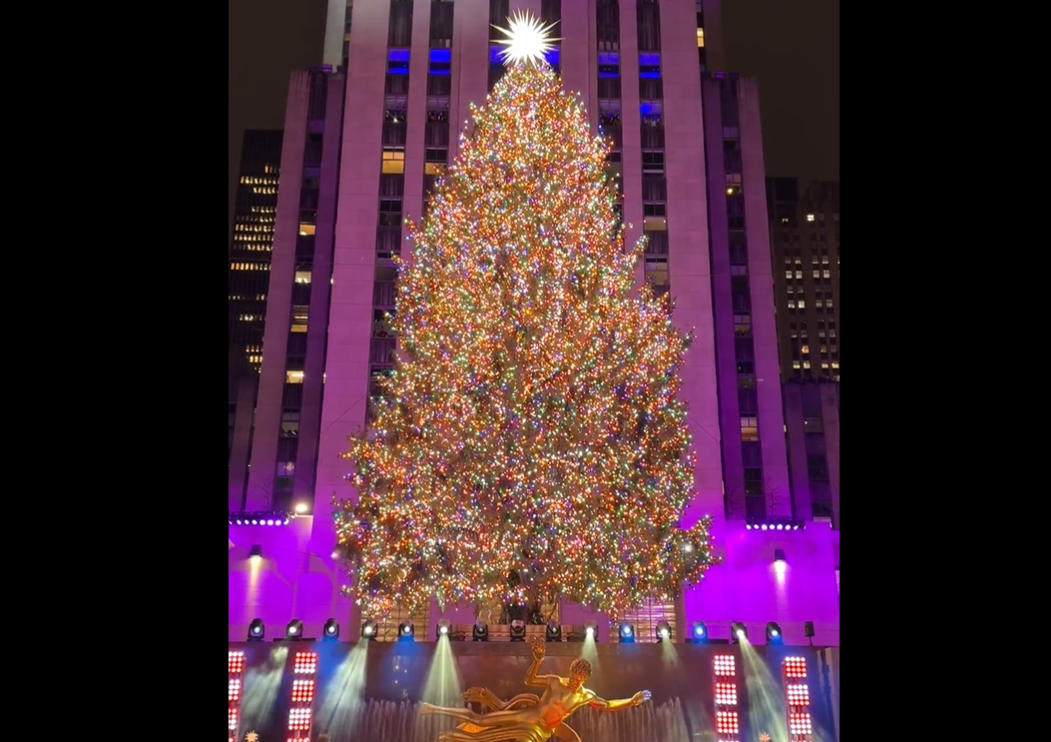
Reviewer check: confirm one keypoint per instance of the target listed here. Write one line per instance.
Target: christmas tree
(529, 441)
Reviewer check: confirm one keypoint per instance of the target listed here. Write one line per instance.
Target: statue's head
(579, 672)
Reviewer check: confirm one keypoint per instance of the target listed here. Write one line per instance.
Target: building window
(749, 428)
(393, 161)
(810, 217)
(293, 377)
(753, 481)
(652, 162)
(286, 468)
(817, 467)
(306, 229)
(742, 324)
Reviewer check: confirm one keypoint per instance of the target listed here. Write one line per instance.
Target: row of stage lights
(552, 632)
(266, 517)
(778, 524)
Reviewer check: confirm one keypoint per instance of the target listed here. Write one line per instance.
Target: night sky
(792, 48)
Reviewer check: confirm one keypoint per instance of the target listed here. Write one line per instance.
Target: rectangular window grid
(235, 669)
(301, 713)
(727, 723)
(797, 699)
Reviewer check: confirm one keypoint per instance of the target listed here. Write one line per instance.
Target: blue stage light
(773, 634)
(331, 631)
(256, 630)
(627, 633)
(369, 629)
(698, 633)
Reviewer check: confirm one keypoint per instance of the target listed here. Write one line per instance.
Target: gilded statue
(528, 717)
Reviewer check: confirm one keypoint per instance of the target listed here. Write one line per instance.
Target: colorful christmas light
(530, 442)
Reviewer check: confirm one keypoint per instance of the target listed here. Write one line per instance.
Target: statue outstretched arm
(487, 699)
(531, 677)
(636, 700)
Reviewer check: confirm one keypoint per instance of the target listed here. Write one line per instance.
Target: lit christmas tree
(529, 442)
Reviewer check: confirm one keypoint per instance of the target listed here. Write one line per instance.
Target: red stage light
(726, 694)
(235, 690)
(306, 663)
(302, 691)
(299, 720)
(795, 667)
(233, 720)
(726, 722)
(724, 666)
(798, 694)
(237, 663)
(799, 723)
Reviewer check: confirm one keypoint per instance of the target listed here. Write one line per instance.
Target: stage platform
(368, 691)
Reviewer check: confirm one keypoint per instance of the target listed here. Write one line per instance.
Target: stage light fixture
(518, 630)
(663, 631)
(369, 630)
(779, 557)
(444, 628)
(294, 630)
(256, 630)
(553, 632)
(738, 632)
(331, 631)
(698, 633)
(255, 553)
(480, 632)
(591, 630)
(626, 633)
(406, 632)
(808, 631)
(773, 633)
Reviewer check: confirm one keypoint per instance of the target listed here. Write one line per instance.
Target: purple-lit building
(361, 146)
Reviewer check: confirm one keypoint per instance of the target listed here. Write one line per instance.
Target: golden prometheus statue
(528, 717)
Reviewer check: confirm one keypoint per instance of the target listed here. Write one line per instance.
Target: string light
(530, 441)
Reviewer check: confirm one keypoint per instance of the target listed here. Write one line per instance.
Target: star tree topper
(252, 737)
(528, 40)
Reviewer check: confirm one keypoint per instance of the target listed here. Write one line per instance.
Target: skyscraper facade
(252, 241)
(251, 245)
(688, 153)
(804, 229)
